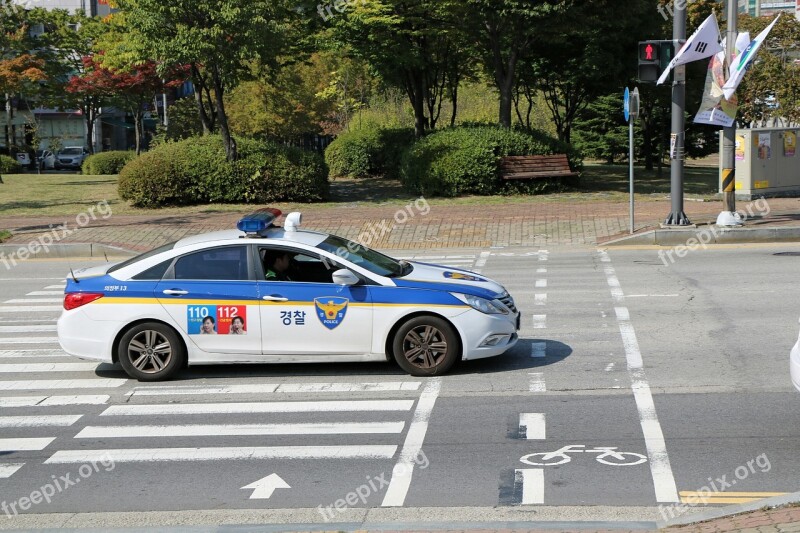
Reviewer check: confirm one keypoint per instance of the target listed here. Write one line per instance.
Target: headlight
(490, 307)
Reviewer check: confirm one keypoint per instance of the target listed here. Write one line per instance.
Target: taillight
(77, 299)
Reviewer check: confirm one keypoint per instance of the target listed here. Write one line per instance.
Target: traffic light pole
(728, 216)
(677, 153)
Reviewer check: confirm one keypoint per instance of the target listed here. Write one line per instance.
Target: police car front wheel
(425, 346)
(151, 352)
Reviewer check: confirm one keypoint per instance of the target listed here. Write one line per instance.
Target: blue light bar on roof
(258, 221)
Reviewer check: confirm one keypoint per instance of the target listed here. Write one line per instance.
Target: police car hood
(452, 279)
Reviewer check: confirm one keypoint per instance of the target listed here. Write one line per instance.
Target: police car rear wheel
(151, 352)
(425, 346)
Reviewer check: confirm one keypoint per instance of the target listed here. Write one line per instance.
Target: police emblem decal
(331, 310)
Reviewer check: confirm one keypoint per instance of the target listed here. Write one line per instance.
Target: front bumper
(794, 365)
(487, 335)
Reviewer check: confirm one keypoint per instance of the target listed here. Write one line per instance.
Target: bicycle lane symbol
(606, 455)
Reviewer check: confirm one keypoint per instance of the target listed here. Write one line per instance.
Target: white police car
(236, 297)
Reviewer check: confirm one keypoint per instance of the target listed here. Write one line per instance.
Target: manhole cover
(788, 254)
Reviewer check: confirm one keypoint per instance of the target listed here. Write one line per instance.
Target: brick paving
(512, 224)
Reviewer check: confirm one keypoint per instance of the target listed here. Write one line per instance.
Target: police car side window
(154, 272)
(224, 264)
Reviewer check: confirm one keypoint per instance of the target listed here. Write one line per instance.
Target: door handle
(175, 292)
(274, 298)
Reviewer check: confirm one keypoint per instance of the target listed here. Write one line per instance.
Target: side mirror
(345, 277)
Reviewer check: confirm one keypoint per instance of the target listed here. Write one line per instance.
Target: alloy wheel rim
(424, 346)
(149, 351)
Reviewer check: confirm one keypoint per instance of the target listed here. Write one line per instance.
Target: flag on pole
(702, 44)
(739, 66)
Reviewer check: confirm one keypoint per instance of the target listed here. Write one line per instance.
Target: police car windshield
(145, 255)
(360, 255)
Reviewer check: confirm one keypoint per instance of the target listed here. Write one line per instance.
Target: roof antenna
(69, 263)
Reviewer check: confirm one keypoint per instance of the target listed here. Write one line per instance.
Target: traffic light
(654, 56)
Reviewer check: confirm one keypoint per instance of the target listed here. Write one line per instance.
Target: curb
(709, 235)
(63, 251)
(732, 510)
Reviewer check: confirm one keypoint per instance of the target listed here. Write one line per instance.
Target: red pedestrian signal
(648, 51)
(651, 56)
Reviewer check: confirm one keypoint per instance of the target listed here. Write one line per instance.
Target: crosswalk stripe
(539, 349)
(46, 384)
(539, 321)
(266, 388)
(537, 383)
(51, 401)
(228, 453)
(22, 354)
(212, 430)
(38, 421)
(7, 469)
(532, 425)
(25, 445)
(28, 329)
(57, 286)
(258, 407)
(532, 481)
(28, 340)
(45, 293)
(30, 309)
(46, 367)
(540, 299)
(34, 301)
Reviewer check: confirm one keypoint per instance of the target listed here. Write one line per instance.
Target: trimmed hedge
(106, 163)
(9, 165)
(196, 171)
(466, 160)
(368, 152)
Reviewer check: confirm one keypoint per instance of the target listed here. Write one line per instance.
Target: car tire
(426, 346)
(151, 351)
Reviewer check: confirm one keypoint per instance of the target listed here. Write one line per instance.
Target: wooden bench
(521, 167)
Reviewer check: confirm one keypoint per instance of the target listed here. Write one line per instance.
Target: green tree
(218, 39)
(601, 131)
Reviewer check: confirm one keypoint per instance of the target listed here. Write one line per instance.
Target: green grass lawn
(4, 235)
(69, 194)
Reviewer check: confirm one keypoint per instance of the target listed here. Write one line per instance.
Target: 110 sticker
(216, 319)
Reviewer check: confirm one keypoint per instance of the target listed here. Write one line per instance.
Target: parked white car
(71, 157)
(45, 159)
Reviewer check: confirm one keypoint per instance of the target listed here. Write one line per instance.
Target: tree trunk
(89, 111)
(199, 88)
(454, 101)
(9, 118)
(137, 124)
(227, 140)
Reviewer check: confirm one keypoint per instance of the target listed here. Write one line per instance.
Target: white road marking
(532, 426)
(481, 262)
(536, 382)
(46, 384)
(409, 455)
(543, 255)
(264, 487)
(29, 340)
(259, 407)
(51, 401)
(31, 279)
(209, 430)
(34, 301)
(47, 367)
(539, 349)
(227, 453)
(57, 286)
(15, 354)
(610, 367)
(540, 299)
(45, 293)
(25, 445)
(267, 388)
(27, 329)
(541, 271)
(38, 421)
(539, 321)
(7, 469)
(660, 468)
(540, 283)
(532, 481)
(23, 310)
(651, 295)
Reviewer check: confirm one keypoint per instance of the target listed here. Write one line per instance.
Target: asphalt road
(654, 380)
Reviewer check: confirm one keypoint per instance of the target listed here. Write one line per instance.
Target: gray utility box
(767, 163)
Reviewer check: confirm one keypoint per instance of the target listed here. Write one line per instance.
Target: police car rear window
(228, 264)
(143, 256)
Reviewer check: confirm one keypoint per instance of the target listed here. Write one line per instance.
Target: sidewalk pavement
(444, 226)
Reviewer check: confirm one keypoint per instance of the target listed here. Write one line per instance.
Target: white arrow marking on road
(264, 487)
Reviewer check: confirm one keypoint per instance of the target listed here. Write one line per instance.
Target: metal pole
(729, 134)
(630, 158)
(677, 217)
(166, 117)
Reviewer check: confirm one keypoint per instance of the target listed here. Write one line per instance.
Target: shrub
(9, 165)
(195, 171)
(466, 160)
(368, 152)
(106, 163)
